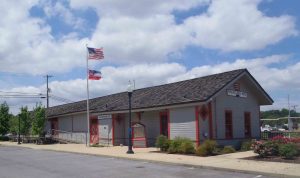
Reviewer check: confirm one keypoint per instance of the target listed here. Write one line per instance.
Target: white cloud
(139, 32)
(232, 25)
(258, 66)
(27, 46)
(129, 39)
(59, 9)
(137, 9)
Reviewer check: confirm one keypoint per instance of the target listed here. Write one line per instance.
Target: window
(247, 122)
(228, 124)
(237, 86)
(164, 123)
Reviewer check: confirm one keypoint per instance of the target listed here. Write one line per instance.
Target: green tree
(25, 121)
(4, 118)
(14, 124)
(273, 114)
(39, 121)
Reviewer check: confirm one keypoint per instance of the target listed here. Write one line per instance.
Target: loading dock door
(105, 129)
(94, 132)
(54, 126)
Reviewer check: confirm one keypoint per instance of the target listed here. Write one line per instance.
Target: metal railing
(66, 136)
(30, 139)
(272, 134)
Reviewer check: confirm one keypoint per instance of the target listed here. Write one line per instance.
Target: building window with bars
(228, 125)
(247, 122)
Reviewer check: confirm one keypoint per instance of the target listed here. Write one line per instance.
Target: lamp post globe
(129, 90)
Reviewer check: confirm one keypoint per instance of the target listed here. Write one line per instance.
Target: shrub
(282, 139)
(228, 149)
(273, 147)
(4, 138)
(218, 150)
(173, 147)
(187, 147)
(181, 145)
(295, 140)
(288, 151)
(207, 148)
(246, 145)
(210, 146)
(96, 145)
(264, 149)
(201, 151)
(162, 143)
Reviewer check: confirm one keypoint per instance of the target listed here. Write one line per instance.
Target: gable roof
(183, 92)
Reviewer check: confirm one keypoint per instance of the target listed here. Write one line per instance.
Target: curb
(164, 162)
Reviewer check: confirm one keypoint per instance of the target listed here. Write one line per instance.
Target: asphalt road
(18, 162)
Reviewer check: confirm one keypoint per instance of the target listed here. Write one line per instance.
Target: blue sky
(152, 42)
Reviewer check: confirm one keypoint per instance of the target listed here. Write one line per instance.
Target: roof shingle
(187, 91)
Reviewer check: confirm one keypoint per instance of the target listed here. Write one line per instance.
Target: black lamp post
(130, 151)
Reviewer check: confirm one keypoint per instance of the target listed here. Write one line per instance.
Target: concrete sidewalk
(231, 162)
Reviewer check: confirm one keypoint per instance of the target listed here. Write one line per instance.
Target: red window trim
(139, 116)
(165, 113)
(229, 136)
(113, 129)
(160, 125)
(247, 124)
(168, 114)
(210, 121)
(197, 124)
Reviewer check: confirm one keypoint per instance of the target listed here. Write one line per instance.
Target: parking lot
(23, 162)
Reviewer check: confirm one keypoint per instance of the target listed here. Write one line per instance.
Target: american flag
(95, 53)
(95, 75)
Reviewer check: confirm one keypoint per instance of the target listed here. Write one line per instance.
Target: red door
(54, 126)
(94, 131)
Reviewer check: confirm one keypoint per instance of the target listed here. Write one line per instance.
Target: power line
(20, 96)
(57, 98)
(18, 105)
(19, 92)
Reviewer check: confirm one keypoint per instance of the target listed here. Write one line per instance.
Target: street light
(129, 90)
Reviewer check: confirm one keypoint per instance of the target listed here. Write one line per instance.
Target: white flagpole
(87, 100)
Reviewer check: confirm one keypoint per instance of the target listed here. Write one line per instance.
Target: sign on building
(104, 116)
(237, 93)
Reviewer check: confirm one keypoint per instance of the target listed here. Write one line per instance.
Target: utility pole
(290, 122)
(293, 120)
(294, 106)
(48, 90)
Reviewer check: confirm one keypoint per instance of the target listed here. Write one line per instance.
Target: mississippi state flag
(95, 53)
(94, 75)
